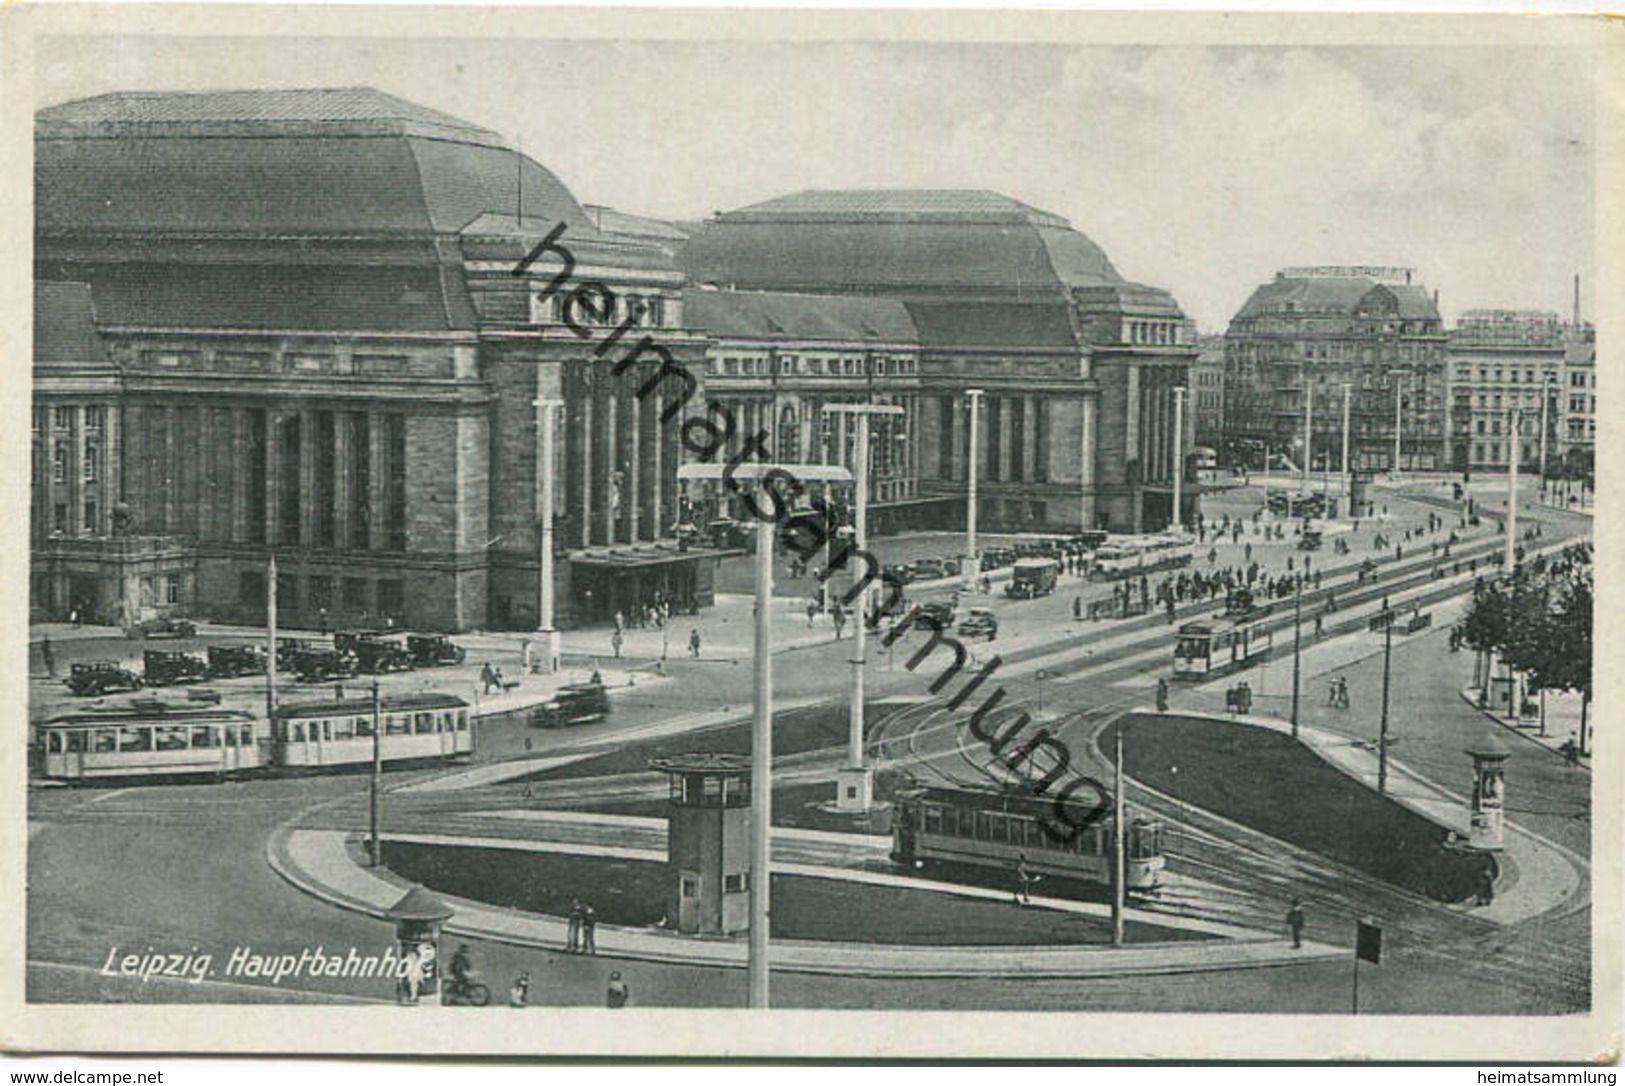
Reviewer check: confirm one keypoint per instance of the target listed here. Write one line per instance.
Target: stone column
(1089, 407)
(376, 482)
(587, 393)
(634, 472)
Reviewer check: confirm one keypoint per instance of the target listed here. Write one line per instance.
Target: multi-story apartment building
(1312, 336)
(1507, 375)
(1207, 392)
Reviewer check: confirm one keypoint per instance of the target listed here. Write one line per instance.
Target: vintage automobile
(101, 677)
(952, 566)
(434, 650)
(1311, 540)
(728, 534)
(231, 661)
(322, 665)
(577, 703)
(979, 622)
(172, 668)
(165, 626)
(928, 569)
(897, 573)
(376, 655)
(288, 650)
(996, 557)
(935, 614)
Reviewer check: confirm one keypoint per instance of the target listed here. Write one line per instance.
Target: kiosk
(418, 917)
(1489, 794)
(708, 842)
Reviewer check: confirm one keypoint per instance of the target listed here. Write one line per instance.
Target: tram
(1218, 646)
(996, 828)
(207, 743)
(211, 743)
(1127, 556)
(332, 734)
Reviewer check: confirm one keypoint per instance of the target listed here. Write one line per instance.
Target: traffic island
(1271, 782)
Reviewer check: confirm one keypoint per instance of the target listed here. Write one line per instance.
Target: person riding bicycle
(461, 968)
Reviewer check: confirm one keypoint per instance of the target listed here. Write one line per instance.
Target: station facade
(325, 324)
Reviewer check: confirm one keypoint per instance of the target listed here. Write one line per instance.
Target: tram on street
(1217, 646)
(997, 828)
(205, 743)
(1129, 556)
(210, 743)
(332, 734)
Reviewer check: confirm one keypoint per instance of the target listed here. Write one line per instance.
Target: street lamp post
(270, 639)
(545, 408)
(973, 563)
(1545, 398)
(377, 850)
(1297, 648)
(1308, 435)
(761, 774)
(1179, 454)
(855, 784)
(1510, 557)
(1348, 482)
(1382, 728)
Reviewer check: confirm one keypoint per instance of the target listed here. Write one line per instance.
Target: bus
(1217, 646)
(1129, 556)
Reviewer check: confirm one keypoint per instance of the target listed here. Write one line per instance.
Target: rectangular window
(321, 593)
(736, 884)
(360, 481)
(59, 517)
(400, 724)
(90, 523)
(251, 589)
(134, 739)
(172, 588)
(204, 737)
(355, 594)
(59, 462)
(92, 461)
(287, 592)
(326, 480)
(63, 419)
(391, 599)
(395, 483)
(290, 488)
(106, 741)
(255, 473)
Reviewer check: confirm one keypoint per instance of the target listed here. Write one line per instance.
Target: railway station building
(1078, 365)
(312, 341)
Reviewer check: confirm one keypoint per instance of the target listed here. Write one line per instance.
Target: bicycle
(466, 992)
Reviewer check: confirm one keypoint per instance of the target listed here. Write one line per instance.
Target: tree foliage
(1538, 620)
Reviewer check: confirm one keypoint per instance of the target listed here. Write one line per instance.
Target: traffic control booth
(708, 842)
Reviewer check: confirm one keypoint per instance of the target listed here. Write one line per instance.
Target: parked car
(172, 668)
(996, 557)
(952, 567)
(288, 650)
(377, 655)
(727, 534)
(979, 622)
(928, 569)
(936, 613)
(323, 665)
(165, 626)
(101, 677)
(434, 650)
(577, 703)
(230, 661)
(897, 573)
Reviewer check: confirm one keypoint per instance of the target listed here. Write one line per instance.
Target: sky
(1199, 169)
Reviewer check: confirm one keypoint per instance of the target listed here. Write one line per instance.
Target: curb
(1467, 697)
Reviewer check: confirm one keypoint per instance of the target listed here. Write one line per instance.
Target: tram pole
(1119, 836)
(1297, 650)
(761, 776)
(1382, 729)
(377, 850)
(973, 565)
(270, 639)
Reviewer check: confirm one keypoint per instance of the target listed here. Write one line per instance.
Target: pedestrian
(694, 643)
(49, 654)
(618, 994)
(519, 994)
(1077, 610)
(321, 621)
(589, 930)
(1294, 923)
(1486, 884)
(73, 617)
(1162, 695)
(812, 612)
(572, 943)
(1319, 625)
(1024, 881)
(615, 641)
(837, 615)
(487, 677)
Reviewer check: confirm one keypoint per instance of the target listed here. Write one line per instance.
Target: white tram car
(984, 827)
(1218, 646)
(161, 741)
(126, 742)
(328, 734)
(1129, 556)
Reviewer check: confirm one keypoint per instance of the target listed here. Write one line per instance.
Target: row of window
(360, 727)
(94, 419)
(353, 593)
(796, 365)
(146, 737)
(1164, 333)
(609, 310)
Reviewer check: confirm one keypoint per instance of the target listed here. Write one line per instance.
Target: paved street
(102, 860)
